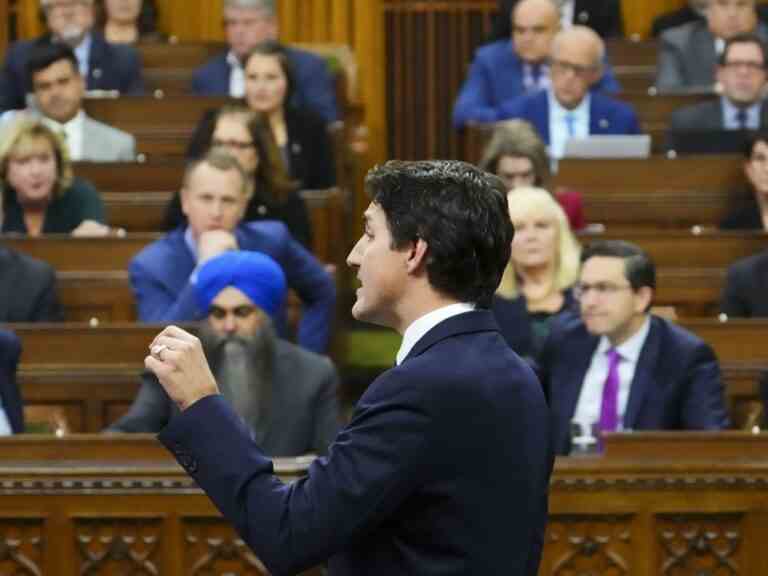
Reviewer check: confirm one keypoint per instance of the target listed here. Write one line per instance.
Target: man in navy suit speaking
(445, 464)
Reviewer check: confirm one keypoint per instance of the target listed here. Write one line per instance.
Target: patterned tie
(609, 417)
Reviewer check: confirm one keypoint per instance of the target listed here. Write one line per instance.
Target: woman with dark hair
(245, 135)
(300, 135)
(128, 21)
(752, 211)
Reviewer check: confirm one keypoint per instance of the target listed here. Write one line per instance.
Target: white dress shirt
(5, 425)
(421, 326)
(731, 118)
(82, 53)
(558, 124)
(591, 396)
(236, 76)
(72, 132)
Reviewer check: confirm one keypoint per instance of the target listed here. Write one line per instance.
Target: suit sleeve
(317, 291)
(614, 21)
(48, 307)
(375, 463)
(326, 410)
(128, 153)
(155, 302)
(12, 84)
(10, 353)
(132, 80)
(733, 303)
(319, 90)
(669, 73)
(704, 405)
(91, 204)
(473, 103)
(149, 411)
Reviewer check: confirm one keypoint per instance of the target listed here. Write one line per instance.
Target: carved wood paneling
(22, 546)
(213, 548)
(701, 544)
(114, 546)
(587, 545)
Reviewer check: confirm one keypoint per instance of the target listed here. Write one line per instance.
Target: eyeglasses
(748, 66)
(601, 289)
(236, 144)
(576, 69)
(241, 312)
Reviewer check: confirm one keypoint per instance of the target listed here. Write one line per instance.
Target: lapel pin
(583, 16)
(96, 73)
(603, 123)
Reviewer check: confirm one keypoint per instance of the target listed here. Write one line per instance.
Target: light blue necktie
(570, 122)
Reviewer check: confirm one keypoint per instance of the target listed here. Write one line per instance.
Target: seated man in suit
(11, 407)
(506, 69)
(59, 90)
(742, 74)
(248, 23)
(568, 109)
(693, 11)
(745, 294)
(286, 394)
(27, 288)
(214, 196)
(688, 53)
(104, 66)
(603, 16)
(621, 367)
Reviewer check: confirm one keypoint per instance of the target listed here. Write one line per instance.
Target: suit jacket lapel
(582, 350)
(644, 375)
(96, 63)
(91, 147)
(703, 53)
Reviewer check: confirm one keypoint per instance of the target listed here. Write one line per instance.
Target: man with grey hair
(688, 54)
(568, 109)
(104, 66)
(248, 23)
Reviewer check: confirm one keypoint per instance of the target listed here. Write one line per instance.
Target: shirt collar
(233, 60)
(753, 113)
(581, 111)
(75, 122)
(629, 349)
(421, 326)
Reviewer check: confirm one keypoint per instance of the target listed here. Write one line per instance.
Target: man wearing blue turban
(286, 394)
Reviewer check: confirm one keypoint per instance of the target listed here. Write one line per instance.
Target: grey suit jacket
(705, 116)
(304, 416)
(687, 56)
(103, 143)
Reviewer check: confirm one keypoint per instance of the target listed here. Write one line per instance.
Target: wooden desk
(114, 177)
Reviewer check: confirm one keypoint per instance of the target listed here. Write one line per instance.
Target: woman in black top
(752, 211)
(245, 135)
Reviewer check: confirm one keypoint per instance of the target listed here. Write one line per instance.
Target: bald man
(603, 16)
(688, 54)
(512, 67)
(569, 108)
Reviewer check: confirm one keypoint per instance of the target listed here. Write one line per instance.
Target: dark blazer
(27, 289)
(304, 416)
(705, 116)
(10, 352)
(677, 383)
(685, 15)
(406, 488)
(292, 210)
(746, 288)
(110, 67)
(160, 279)
(603, 16)
(310, 150)
(745, 216)
(314, 86)
(515, 322)
(496, 76)
(79, 202)
(606, 115)
(687, 56)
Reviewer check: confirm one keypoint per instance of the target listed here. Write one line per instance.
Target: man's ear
(417, 255)
(643, 298)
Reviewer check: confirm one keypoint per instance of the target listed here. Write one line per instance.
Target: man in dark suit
(742, 74)
(214, 197)
(568, 109)
(505, 69)
(619, 367)
(694, 11)
(688, 54)
(746, 288)
(603, 16)
(286, 394)
(248, 23)
(27, 289)
(405, 489)
(11, 407)
(104, 66)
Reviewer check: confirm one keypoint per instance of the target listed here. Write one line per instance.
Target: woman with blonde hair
(544, 264)
(518, 156)
(41, 195)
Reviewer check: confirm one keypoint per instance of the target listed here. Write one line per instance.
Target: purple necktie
(609, 417)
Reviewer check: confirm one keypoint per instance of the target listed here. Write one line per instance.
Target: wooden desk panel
(116, 177)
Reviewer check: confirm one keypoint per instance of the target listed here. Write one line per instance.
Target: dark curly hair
(461, 213)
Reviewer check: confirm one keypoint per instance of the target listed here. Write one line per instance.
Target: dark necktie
(741, 118)
(609, 409)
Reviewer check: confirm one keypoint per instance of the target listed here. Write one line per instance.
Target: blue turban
(253, 273)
